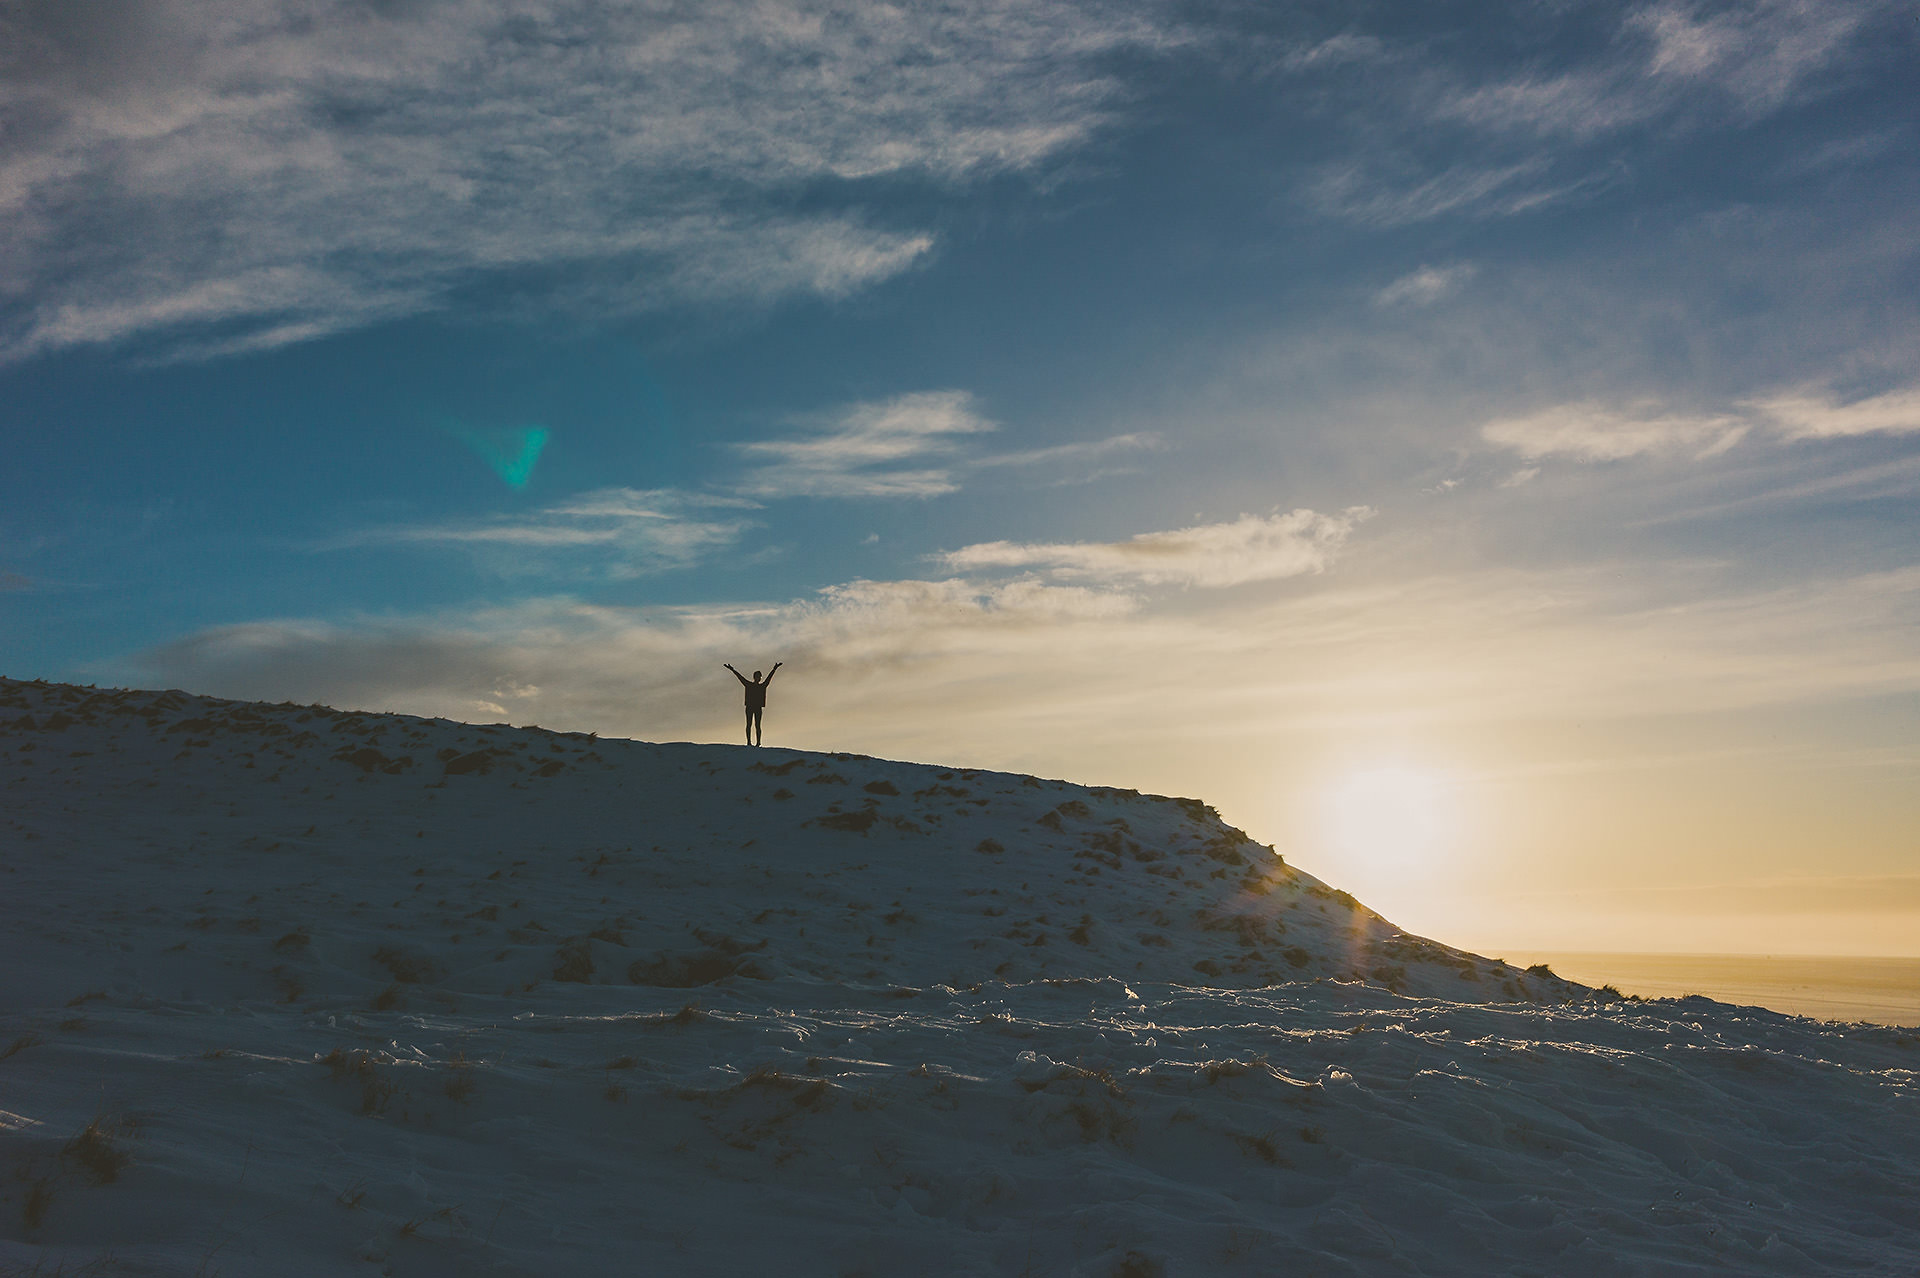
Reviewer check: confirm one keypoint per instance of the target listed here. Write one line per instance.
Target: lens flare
(510, 451)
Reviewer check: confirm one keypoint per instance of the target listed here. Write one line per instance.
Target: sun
(1394, 813)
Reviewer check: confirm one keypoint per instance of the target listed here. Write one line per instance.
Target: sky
(1475, 446)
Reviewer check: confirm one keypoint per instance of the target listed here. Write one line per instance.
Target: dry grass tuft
(460, 1079)
(414, 1226)
(287, 981)
(96, 1153)
(1261, 1147)
(573, 962)
(408, 969)
(19, 1045)
(39, 1199)
(688, 1015)
(375, 1091)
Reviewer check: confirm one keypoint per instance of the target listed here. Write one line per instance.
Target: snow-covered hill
(288, 990)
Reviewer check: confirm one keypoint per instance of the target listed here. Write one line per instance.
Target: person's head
(756, 676)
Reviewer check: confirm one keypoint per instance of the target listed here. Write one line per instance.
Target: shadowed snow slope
(293, 991)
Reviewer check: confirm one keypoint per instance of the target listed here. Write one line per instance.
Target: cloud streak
(1425, 286)
(1250, 548)
(634, 532)
(911, 445)
(958, 670)
(1810, 414)
(1384, 196)
(1462, 131)
(240, 175)
(899, 447)
(1671, 59)
(1591, 432)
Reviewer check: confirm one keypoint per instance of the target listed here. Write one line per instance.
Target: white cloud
(1579, 104)
(1425, 286)
(1674, 66)
(1760, 53)
(873, 651)
(1809, 414)
(246, 173)
(1897, 478)
(1251, 548)
(1339, 50)
(1086, 450)
(1592, 432)
(955, 671)
(633, 532)
(900, 447)
(1674, 57)
(1384, 196)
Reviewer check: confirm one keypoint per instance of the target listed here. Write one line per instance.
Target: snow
(291, 991)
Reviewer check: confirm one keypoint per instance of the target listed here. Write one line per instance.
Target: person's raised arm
(776, 670)
(736, 674)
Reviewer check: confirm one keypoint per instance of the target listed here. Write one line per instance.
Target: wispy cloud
(1761, 53)
(1339, 50)
(1092, 450)
(633, 532)
(245, 174)
(1385, 196)
(913, 445)
(1898, 478)
(1591, 432)
(1425, 286)
(1580, 104)
(957, 670)
(1671, 58)
(1812, 414)
(1465, 131)
(900, 447)
(1251, 548)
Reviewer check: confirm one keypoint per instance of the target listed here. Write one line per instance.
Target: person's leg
(749, 726)
(753, 727)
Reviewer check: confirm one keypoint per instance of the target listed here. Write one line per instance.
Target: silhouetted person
(756, 698)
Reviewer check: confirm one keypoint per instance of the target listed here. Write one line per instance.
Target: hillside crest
(351, 855)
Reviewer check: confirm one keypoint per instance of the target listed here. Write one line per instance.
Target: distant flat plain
(1828, 988)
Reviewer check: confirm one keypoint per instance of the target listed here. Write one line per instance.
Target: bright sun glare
(1393, 813)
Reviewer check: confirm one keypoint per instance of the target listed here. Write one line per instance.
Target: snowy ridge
(291, 990)
(680, 865)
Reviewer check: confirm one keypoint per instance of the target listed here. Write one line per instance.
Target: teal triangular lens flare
(511, 452)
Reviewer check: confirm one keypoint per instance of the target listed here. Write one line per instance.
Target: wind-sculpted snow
(290, 991)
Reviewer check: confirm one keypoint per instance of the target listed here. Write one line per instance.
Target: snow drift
(296, 991)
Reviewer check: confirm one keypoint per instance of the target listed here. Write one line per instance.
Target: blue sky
(1505, 417)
